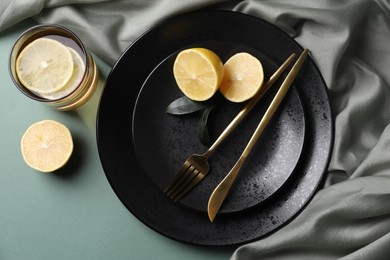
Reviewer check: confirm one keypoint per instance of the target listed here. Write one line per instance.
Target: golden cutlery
(220, 192)
(196, 167)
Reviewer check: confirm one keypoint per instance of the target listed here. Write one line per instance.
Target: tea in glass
(49, 63)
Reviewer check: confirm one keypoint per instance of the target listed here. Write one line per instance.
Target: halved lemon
(47, 145)
(243, 78)
(75, 79)
(44, 66)
(198, 73)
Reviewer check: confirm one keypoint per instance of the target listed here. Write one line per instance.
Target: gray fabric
(106, 27)
(350, 42)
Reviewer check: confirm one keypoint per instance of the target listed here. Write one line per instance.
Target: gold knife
(220, 192)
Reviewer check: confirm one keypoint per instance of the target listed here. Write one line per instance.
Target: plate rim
(169, 20)
(298, 124)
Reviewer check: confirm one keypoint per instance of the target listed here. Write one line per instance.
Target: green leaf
(183, 106)
(203, 131)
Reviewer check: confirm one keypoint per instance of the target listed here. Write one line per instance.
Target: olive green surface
(72, 213)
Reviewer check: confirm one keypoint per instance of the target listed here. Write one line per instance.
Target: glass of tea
(50, 64)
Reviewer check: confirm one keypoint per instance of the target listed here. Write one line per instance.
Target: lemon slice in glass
(44, 66)
(75, 79)
(198, 73)
(47, 145)
(244, 77)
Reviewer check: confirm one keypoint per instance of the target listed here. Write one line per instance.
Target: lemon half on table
(47, 145)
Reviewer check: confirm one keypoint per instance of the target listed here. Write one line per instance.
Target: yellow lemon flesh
(75, 79)
(244, 76)
(198, 73)
(44, 66)
(47, 145)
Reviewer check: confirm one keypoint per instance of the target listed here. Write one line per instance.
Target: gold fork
(220, 192)
(196, 167)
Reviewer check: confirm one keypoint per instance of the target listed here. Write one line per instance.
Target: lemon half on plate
(244, 77)
(198, 73)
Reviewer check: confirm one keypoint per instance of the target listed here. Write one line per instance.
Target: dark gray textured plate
(137, 189)
(163, 142)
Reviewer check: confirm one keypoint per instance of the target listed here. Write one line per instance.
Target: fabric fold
(349, 41)
(332, 227)
(108, 28)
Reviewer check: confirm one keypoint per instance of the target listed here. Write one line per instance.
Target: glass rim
(40, 31)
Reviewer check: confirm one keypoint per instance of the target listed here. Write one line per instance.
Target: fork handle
(220, 192)
(248, 107)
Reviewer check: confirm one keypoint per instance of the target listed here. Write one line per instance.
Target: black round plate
(163, 141)
(141, 191)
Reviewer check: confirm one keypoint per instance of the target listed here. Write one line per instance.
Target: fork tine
(190, 174)
(178, 178)
(189, 186)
